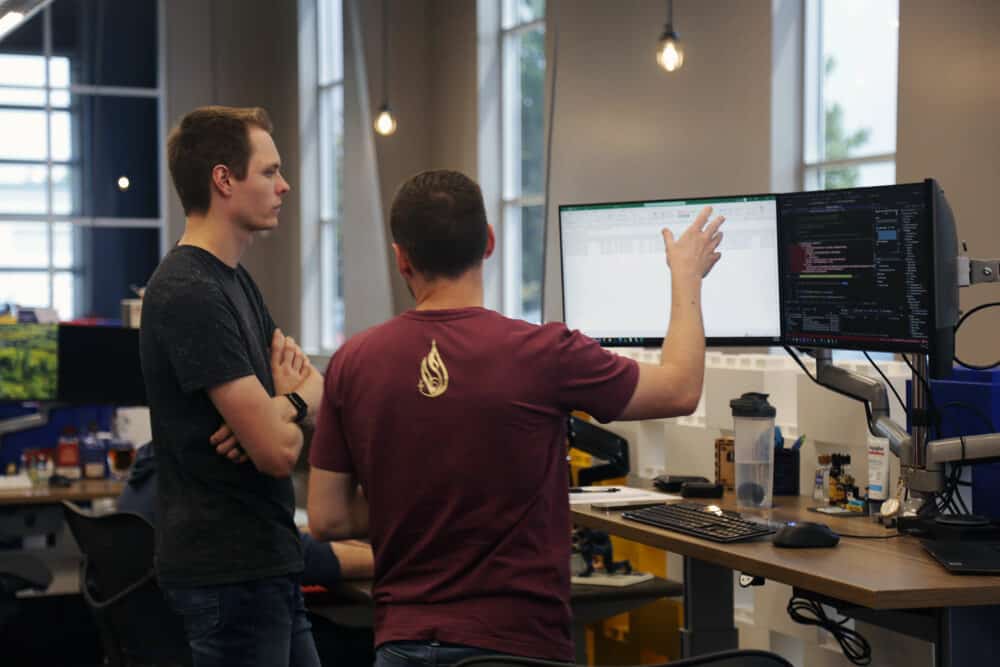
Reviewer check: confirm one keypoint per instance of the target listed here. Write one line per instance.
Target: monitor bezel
(875, 345)
(714, 341)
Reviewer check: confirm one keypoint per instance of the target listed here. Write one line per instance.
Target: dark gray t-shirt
(204, 324)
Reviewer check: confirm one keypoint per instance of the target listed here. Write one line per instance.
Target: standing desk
(80, 490)
(888, 582)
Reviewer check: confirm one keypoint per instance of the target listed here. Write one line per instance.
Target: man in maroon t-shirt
(452, 418)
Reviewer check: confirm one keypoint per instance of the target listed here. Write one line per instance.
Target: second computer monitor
(857, 268)
(616, 283)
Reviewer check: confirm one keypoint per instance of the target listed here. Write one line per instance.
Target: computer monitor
(29, 362)
(870, 269)
(616, 283)
(99, 364)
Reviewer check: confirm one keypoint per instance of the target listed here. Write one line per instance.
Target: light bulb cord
(385, 54)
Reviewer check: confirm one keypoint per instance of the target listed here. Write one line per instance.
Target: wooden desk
(859, 575)
(82, 490)
(36, 511)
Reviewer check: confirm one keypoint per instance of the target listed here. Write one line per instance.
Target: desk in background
(887, 582)
(84, 490)
(37, 511)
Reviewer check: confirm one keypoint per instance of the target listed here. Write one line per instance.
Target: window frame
(318, 226)
(814, 123)
(814, 109)
(50, 218)
(511, 279)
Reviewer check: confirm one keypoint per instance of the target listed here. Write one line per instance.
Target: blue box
(982, 389)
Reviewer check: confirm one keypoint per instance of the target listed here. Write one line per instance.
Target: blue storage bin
(982, 389)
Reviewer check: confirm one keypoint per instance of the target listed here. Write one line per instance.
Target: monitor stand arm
(920, 476)
(867, 390)
(24, 422)
(971, 447)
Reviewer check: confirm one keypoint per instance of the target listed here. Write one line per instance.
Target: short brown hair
(439, 219)
(206, 137)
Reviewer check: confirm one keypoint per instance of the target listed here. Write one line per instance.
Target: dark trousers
(424, 654)
(251, 623)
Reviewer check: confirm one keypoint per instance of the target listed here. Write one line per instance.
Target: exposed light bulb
(10, 21)
(385, 124)
(669, 52)
(124, 183)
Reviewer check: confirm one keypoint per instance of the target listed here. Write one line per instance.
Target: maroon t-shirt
(454, 422)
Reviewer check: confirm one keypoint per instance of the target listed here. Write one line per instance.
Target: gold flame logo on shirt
(433, 374)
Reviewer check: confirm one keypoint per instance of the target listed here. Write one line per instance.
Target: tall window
(331, 161)
(80, 141)
(851, 69)
(522, 94)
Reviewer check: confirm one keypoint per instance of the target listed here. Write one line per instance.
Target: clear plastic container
(753, 431)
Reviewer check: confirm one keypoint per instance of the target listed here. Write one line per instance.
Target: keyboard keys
(704, 521)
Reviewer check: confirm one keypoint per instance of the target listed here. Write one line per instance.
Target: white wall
(949, 93)
(243, 53)
(625, 129)
(432, 93)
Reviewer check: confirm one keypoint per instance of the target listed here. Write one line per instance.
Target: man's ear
(491, 241)
(402, 261)
(222, 179)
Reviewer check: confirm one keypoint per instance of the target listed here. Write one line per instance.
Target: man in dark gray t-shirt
(227, 393)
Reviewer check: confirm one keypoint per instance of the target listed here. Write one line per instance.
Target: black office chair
(118, 583)
(19, 572)
(739, 658)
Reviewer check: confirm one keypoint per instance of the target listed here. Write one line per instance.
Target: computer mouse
(805, 535)
(60, 481)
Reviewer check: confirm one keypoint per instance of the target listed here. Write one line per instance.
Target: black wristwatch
(301, 409)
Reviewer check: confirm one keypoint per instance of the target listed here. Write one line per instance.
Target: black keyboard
(705, 521)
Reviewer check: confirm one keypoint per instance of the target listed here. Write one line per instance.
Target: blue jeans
(424, 654)
(251, 623)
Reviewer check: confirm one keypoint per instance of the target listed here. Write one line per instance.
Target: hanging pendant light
(669, 52)
(385, 123)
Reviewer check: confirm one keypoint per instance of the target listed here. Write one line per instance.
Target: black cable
(899, 398)
(965, 316)
(801, 365)
(855, 647)
(933, 416)
(871, 537)
(952, 496)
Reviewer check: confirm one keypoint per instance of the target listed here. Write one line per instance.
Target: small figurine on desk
(598, 553)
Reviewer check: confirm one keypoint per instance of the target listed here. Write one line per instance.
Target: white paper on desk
(604, 494)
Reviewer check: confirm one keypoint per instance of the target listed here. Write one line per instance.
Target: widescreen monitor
(616, 282)
(870, 269)
(29, 362)
(99, 364)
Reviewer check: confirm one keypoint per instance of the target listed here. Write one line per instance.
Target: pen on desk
(580, 489)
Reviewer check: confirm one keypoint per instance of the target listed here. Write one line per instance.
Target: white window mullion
(328, 88)
(47, 51)
(512, 261)
(501, 71)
